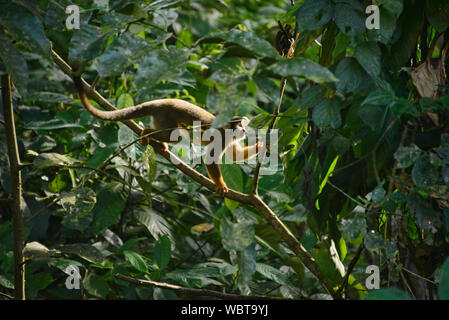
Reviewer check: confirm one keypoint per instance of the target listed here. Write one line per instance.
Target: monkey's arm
(237, 153)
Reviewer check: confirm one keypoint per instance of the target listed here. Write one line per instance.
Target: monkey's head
(238, 124)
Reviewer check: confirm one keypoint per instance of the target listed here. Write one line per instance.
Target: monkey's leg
(214, 172)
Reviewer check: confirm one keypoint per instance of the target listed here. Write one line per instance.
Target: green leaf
(327, 113)
(46, 160)
(39, 281)
(304, 68)
(155, 223)
(125, 137)
(424, 173)
(375, 242)
(387, 294)
(378, 194)
(4, 282)
(312, 96)
(15, 63)
(379, 97)
(136, 260)
(426, 217)
(236, 236)
(373, 116)
(369, 56)
(111, 199)
(443, 288)
(272, 274)
(327, 265)
(246, 261)
(96, 286)
(122, 53)
(314, 13)
(406, 156)
(162, 251)
(352, 229)
(48, 97)
(24, 26)
(352, 77)
(246, 40)
(159, 4)
(87, 43)
(402, 106)
(394, 6)
(125, 100)
(78, 203)
(149, 161)
(161, 65)
(83, 250)
(350, 20)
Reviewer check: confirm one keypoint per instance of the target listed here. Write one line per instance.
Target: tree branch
(191, 291)
(16, 189)
(252, 199)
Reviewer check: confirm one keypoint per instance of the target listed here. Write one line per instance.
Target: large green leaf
(327, 113)
(87, 43)
(313, 14)
(111, 199)
(122, 53)
(136, 260)
(406, 156)
(160, 65)
(369, 56)
(155, 223)
(424, 173)
(352, 77)
(350, 20)
(24, 26)
(15, 63)
(304, 68)
(96, 286)
(162, 251)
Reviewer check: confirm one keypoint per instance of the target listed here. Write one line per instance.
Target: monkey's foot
(221, 190)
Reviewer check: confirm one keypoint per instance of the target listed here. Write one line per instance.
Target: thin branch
(7, 296)
(351, 267)
(191, 291)
(16, 189)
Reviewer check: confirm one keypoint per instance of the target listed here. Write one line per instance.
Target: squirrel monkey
(170, 114)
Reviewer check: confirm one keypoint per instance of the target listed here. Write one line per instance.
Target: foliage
(364, 159)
